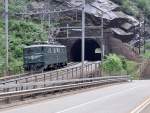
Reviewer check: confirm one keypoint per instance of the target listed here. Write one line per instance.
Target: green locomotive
(44, 56)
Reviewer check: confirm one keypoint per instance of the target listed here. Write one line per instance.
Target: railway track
(22, 94)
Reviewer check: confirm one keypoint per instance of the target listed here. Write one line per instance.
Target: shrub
(112, 64)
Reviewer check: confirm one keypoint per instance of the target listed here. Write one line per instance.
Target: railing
(90, 70)
(56, 86)
(28, 73)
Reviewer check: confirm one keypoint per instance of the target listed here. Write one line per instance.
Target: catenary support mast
(6, 34)
(83, 35)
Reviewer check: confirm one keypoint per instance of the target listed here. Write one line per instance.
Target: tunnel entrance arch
(92, 50)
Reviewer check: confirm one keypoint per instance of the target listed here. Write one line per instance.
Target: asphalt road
(122, 98)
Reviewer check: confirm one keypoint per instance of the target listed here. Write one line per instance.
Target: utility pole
(139, 38)
(102, 41)
(6, 34)
(83, 35)
(144, 33)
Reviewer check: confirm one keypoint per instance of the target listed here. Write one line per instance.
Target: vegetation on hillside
(21, 33)
(134, 7)
(147, 51)
(112, 64)
(117, 65)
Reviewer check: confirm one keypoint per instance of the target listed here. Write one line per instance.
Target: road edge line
(141, 107)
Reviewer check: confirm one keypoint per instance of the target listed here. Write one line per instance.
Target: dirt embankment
(120, 48)
(125, 50)
(145, 74)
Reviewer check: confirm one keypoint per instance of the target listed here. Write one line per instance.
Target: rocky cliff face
(113, 16)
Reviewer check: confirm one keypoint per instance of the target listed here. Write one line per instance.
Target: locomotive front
(33, 58)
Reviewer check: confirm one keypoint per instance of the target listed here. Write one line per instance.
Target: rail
(64, 85)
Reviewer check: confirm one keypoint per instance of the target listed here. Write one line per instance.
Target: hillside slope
(135, 7)
(21, 33)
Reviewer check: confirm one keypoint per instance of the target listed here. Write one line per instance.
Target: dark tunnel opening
(92, 51)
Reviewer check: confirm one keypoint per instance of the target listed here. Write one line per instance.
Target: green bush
(117, 65)
(112, 64)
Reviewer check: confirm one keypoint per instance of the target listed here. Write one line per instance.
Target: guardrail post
(16, 84)
(44, 80)
(63, 75)
(26, 82)
(91, 70)
(96, 74)
(80, 72)
(72, 72)
(22, 98)
(44, 77)
(57, 75)
(76, 72)
(67, 74)
(86, 71)
(36, 79)
(7, 101)
(50, 76)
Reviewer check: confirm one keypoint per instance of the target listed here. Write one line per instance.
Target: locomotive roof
(44, 45)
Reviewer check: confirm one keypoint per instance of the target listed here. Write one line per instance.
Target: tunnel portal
(92, 50)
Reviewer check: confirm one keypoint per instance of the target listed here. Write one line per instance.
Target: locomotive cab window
(32, 50)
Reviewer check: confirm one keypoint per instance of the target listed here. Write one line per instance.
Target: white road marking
(141, 106)
(93, 101)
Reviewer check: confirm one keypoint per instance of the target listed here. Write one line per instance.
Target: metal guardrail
(27, 86)
(62, 74)
(24, 75)
(66, 85)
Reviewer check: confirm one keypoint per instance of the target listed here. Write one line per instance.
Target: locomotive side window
(61, 50)
(54, 50)
(58, 50)
(49, 50)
